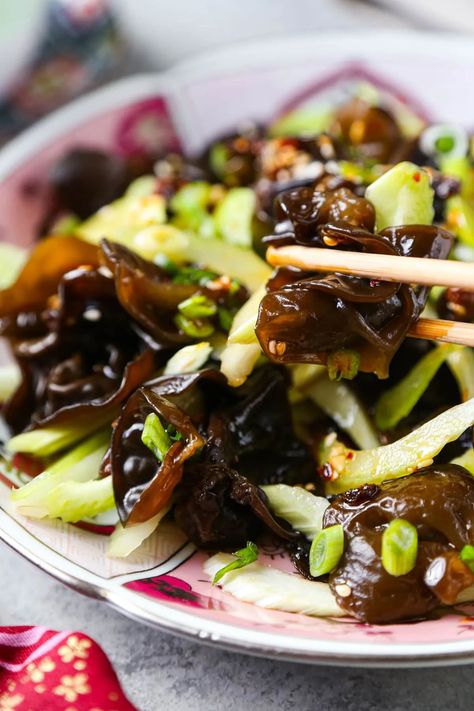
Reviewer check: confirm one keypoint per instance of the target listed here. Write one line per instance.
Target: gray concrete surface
(160, 671)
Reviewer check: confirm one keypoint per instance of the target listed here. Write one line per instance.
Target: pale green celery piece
(191, 197)
(402, 196)
(141, 187)
(337, 400)
(304, 121)
(303, 511)
(12, 259)
(66, 225)
(124, 541)
(74, 501)
(461, 364)
(460, 218)
(304, 374)
(352, 468)
(238, 360)
(273, 589)
(466, 460)
(123, 218)
(233, 216)
(242, 330)
(224, 258)
(80, 464)
(10, 378)
(188, 359)
(459, 167)
(397, 402)
(49, 440)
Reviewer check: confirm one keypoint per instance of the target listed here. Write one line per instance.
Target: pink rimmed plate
(163, 583)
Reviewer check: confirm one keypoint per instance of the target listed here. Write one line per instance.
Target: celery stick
(80, 464)
(10, 378)
(238, 360)
(337, 400)
(352, 468)
(233, 216)
(466, 460)
(188, 359)
(46, 441)
(461, 364)
(273, 589)
(402, 196)
(124, 541)
(399, 401)
(303, 511)
(74, 501)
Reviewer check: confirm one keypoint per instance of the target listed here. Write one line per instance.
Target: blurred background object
(51, 51)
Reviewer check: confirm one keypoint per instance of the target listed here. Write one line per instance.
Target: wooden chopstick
(407, 270)
(384, 267)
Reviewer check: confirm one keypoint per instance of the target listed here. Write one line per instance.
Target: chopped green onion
(399, 547)
(226, 318)
(155, 437)
(243, 557)
(343, 364)
(233, 216)
(197, 306)
(445, 144)
(201, 328)
(397, 402)
(467, 556)
(326, 550)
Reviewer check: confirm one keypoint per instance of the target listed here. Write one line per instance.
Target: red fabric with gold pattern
(59, 671)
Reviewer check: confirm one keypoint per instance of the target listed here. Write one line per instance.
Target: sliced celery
(461, 364)
(80, 464)
(399, 401)
(460, 219)
(224, 258)
(188, 359)
(273, 589)
(49, 440)
(10, 378)
(12, 259)
(306, 121)
(141, 187)
(233, 216)
(337, 400)
(466, 460)
(123, 218)
(74, 501)
(238, 360)
(124, 541)
(402, 196)
(352, 468)
(303, 511)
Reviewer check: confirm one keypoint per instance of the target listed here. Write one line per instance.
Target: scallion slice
(197, 306)
(326, 550)
(399, 547)
(467, 556)
(155, 437)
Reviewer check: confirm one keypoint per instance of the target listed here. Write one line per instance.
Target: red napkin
(44, 670)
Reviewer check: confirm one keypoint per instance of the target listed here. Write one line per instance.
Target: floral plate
(163, 584)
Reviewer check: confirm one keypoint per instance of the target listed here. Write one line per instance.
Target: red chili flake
(417, 177)
(326, 472)
(350, 455)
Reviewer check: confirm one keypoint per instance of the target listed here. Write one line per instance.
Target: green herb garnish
(243, 557)
(467, 556)
(343, 363)
(195, 328)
